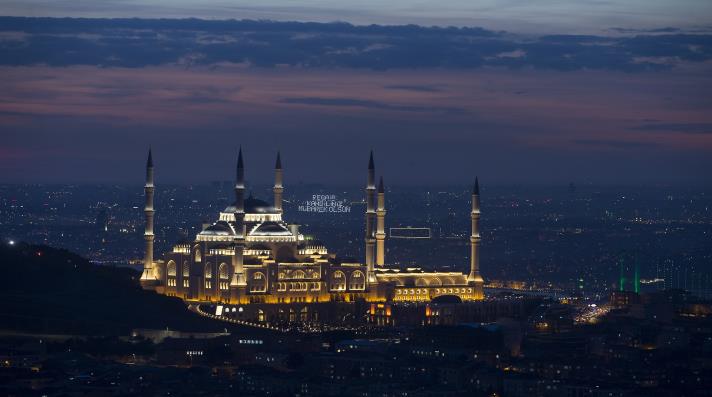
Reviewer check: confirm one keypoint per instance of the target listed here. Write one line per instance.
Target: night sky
(615, 94)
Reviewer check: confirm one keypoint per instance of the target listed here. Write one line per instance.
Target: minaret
(370, 215)
(148, 276)
(238, 278)
(380, 225)
(240, 185)
(474, 278)
(278, 189)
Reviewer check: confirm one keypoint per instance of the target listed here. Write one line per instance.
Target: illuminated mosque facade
(251, 256)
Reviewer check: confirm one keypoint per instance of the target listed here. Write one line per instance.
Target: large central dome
(253, 206)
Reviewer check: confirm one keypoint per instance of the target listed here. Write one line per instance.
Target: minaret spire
(148, 277)
(238, 277)
(240, 184)
(278, 188)
(474, 278)
(380, 225)
(370, 215)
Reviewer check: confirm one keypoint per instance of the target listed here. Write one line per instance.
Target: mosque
(250, 256)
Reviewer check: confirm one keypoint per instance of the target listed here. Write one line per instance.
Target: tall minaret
(148, 275)
(238, 278)
(370, 214)
(278, 189)
(380, 225)
(240, 185)
(474, 278)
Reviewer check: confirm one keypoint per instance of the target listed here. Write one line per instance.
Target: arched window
(260, 315)
(338, 281)
(224, 275)
(208, 274)
(421, 282)
(304, 314)
(357, 281)
(186, 269)
(197, 256)
(259, 282)
(223, 271)
(299, 274)
(172, 271)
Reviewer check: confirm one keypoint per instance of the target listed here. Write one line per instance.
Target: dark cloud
(415, 88)
(688, 47)
(690, 128)
(33, 115)
(368, 104)
(612, 144)
(656, 30)
(194, 42)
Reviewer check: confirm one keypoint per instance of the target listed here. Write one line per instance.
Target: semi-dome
(220, 228)
(270, 229)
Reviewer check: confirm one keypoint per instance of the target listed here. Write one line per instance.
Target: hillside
(48, 290)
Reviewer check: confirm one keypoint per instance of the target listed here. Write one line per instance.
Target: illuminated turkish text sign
(325, 203)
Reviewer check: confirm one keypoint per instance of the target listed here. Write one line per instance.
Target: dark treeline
(50, 290)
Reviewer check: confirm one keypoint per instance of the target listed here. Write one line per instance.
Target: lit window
(171, 268)
(223, 271)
